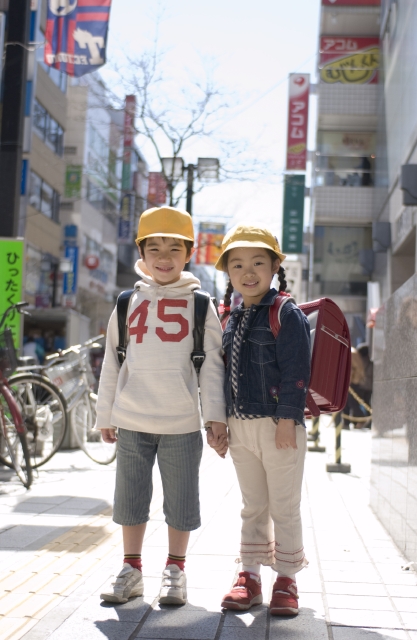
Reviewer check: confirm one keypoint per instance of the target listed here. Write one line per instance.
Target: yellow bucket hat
(244, 236)
(165, 221)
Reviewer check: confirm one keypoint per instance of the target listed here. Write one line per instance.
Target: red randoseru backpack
(330, 352)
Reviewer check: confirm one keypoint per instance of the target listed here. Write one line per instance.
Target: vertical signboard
(70, 279)
(73, 179)
(76, 35)
(128, 138)
(293, 219)
(349, 60)
(126, 218)
(210, 237)
(11, 280)
(297, 121)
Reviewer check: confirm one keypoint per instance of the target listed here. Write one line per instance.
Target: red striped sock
(135, 560)
(178, 560)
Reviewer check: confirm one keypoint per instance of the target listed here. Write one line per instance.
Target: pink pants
(270, 480)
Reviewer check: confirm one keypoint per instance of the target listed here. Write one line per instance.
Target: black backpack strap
(122, 307)
(201, 304)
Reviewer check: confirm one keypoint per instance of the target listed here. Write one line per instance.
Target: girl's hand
(109, 435)
(217, 438)
(285, 435)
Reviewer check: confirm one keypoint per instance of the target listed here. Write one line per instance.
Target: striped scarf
(237, 341)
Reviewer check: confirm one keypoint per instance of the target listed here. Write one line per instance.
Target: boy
(153, 401)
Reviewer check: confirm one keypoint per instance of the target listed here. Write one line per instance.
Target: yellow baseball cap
(244, 236)
(165, 221)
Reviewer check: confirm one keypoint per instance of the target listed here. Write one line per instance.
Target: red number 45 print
(141, 313)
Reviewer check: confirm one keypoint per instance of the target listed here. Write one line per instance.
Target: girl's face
(251, 271)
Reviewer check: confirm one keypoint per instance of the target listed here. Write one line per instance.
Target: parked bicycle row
(43, 407)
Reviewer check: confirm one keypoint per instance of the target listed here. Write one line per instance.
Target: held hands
(109, 435)
(217, 438)
(285, 434)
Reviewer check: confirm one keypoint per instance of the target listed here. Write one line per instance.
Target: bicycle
(71, 371)
(14, 449)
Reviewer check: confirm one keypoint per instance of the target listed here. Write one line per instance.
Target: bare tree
(171, 113)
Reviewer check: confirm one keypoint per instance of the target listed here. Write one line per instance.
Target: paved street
(58, 546)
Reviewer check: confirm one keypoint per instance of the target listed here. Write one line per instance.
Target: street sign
(292, 233)
(11, 282)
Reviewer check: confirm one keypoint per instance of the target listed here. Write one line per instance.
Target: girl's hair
(229, 289)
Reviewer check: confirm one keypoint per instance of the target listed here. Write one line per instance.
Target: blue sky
(253, 47)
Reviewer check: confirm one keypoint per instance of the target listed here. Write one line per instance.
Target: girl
(266, 386)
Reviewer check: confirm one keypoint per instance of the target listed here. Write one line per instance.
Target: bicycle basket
(8, 358)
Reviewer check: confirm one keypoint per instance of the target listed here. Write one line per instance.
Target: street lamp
(174, 169)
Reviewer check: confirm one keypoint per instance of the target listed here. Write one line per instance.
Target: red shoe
(284, 600)
(245, 593)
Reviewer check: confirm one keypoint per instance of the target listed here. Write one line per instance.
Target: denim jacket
(273, 374)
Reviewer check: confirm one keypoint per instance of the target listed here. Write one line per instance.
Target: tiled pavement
(58, 546)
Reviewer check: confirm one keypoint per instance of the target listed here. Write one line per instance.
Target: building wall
(394, 443)
(394, 446)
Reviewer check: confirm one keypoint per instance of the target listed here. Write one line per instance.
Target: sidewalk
(58, 546)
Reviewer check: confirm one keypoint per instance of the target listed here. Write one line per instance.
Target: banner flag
(76, 35)
(351, 3)
(157, 189)
(298, 121)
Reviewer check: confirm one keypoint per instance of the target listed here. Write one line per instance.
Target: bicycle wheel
(83, 418)
(14, 450)
(44, 412)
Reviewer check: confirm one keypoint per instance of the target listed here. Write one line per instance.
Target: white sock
(286, 575)
(253, 569)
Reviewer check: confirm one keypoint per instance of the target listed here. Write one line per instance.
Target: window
(48, 129)
(345, 159)
(58, 78)
(43, 197)
(99, 199)
(337, 260)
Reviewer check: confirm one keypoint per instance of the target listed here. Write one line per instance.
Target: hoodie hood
(186, 284)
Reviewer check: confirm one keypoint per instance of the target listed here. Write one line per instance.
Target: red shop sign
(298, 121)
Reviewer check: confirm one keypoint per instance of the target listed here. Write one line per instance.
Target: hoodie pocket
(157, 394)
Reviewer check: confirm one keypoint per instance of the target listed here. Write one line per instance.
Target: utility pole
(190, 181)
(11, 139)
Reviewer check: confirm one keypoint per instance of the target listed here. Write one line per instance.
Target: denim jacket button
(240, 407)
(241, 374)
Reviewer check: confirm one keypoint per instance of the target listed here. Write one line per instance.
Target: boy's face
(251, 271)
(165, 258)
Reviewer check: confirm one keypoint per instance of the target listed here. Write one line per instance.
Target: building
(344, 163)
(394, 454)
(75, 175)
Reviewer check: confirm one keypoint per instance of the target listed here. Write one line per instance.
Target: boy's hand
(109, 435)
(285, 435)
(217, 438)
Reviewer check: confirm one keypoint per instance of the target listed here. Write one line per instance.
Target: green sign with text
(293, 222)
(11, 281)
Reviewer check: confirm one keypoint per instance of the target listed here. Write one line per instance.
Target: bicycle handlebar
(75, 347)
(17, 307)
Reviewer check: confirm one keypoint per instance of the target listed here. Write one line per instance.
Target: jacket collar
(266, 301)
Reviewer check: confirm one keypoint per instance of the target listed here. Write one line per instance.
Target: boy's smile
(165, 258)
(251, 271)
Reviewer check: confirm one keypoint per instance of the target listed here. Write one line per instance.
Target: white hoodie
(156, 389)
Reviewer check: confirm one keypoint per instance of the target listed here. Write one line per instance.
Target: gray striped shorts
(179, 458)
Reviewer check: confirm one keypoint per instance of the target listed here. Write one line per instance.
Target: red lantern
(91, 261)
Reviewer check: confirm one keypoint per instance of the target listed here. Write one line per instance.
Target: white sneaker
(128, 583)
(174, 586)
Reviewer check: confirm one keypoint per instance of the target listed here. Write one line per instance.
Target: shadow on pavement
(60, 505)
